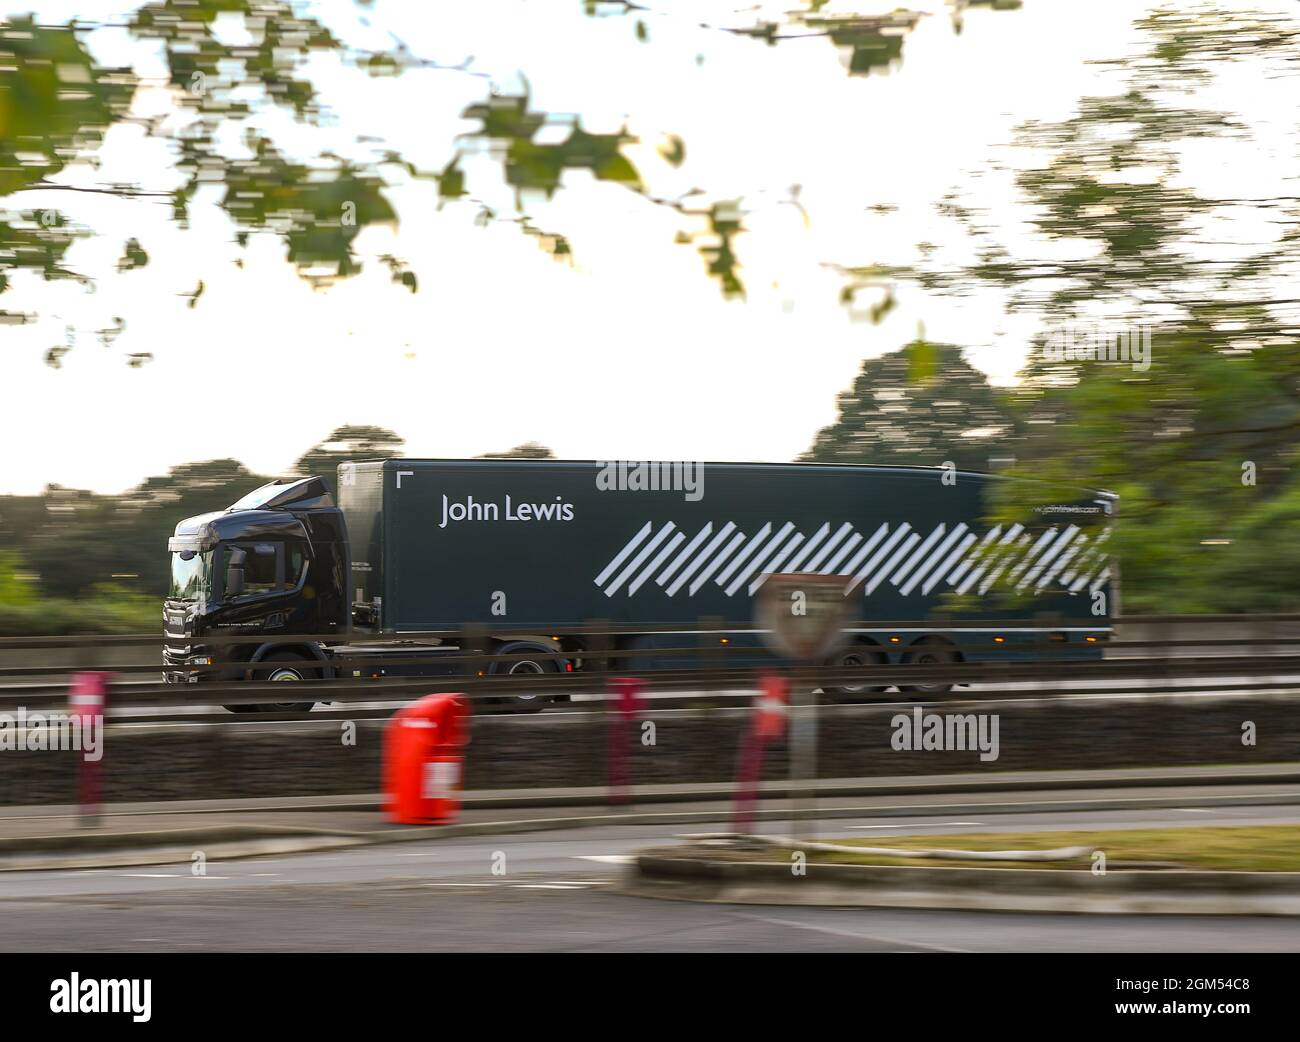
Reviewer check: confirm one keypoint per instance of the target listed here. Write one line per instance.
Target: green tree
(346, 444)
(88, 539)
(922, 405)
(528, 450)
(1201, 436)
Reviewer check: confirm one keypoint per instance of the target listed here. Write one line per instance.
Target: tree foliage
(922, 405)
(528, 450)
(66, 543)
(345, 444)
(242, 83)
(1201, 439)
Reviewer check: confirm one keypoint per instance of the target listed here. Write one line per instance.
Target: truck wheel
(282, 667)
(859, 655)
(930, 652)
(538, 666)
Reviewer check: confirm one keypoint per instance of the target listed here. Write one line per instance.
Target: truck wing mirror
(235, 572)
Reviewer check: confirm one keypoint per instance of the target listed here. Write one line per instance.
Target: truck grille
(174, 659)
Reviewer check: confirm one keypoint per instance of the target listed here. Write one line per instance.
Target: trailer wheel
(930, 651)
(863, 655)
(282, 667)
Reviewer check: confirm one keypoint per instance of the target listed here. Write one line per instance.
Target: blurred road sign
(804, 615)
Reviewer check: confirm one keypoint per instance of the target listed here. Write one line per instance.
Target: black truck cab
(275, 562)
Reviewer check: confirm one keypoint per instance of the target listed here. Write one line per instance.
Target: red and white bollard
(771, 709)
(424, 760)
(627, 704)
(88, 700)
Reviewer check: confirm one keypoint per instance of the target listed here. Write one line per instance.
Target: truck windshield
(191, 575)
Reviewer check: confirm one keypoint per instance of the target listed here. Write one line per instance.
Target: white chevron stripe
(963, 558)
(842, 553)
(717, 561)
(902, 552)
(1049, 556)
(1077, 550)
(870, 566)
(1020, 543)
(840, 533)
(865, 549)
(932, 560)
(1043, 541)
(662, 556)
(921, 551)
(953, 558)
(980, 550)
(974, 576)
(773, 566)
(703, 556)
(743, 575)
(1090, 563)
(639, 559)
(808, 548)
(750, 547)
(1061, 562)
(681, 558)
(622, 555)
(1098, 564)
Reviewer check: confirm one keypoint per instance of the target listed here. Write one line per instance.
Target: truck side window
(261, 567)
(293, 568)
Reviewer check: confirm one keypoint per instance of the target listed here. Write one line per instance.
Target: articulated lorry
(542, 547)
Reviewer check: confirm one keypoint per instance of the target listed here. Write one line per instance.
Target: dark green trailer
(550, 544)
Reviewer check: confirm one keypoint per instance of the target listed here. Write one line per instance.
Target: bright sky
(632, 352)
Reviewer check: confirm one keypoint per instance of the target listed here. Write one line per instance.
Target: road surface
(553, 891)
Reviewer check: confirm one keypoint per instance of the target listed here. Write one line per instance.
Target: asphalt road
(552, 892)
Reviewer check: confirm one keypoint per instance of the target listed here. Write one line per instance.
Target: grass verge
(1244, 848)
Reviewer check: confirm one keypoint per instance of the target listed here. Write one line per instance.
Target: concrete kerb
(690, 874)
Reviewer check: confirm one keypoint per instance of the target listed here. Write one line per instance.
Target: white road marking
(166, 875)
(608, 859)
(934, 825)
(854, 934)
